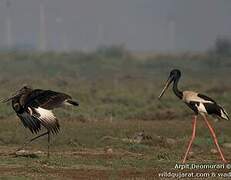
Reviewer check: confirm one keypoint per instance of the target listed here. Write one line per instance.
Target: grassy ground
(120, 86)
(102, 149)
(118, 94)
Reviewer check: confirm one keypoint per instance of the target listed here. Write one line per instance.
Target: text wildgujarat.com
(194, 174)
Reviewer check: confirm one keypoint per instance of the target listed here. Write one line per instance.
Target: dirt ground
(33, 164)
(93, 151)
(43, 169)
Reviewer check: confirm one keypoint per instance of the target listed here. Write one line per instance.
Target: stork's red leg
(192, 138)
(25, 144)
(214, 138)
(48, 147)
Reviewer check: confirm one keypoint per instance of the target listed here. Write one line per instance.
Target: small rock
(213, 151)
(26, 153)
(138, 137)
(138, 140)
(171, 141)
(22, 152)
(109, 151)
(141, 136)
(38, 152)
(191, 153)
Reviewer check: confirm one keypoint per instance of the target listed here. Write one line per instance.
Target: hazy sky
(158, 25)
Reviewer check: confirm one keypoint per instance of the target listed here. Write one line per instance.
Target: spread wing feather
(30, 122)
(34, 108)
(47, 119)
(46, 99)
(37, 117)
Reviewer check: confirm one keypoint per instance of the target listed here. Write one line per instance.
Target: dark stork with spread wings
(34, 108)
(200, 104)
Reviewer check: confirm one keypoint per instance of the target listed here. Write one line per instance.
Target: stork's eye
(16, 106)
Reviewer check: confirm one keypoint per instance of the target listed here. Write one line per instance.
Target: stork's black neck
(175, 89)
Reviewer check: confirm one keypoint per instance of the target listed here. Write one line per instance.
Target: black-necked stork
(34, 108)
(200, 104)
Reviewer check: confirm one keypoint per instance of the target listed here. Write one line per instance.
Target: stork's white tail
(224, 114)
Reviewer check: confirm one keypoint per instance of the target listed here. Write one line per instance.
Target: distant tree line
(222, 46)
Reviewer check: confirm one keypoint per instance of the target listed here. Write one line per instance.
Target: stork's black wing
(33, 118)
(206, 98)
(34, 108)
(25, 115)
(214, 108)
(46, 99)
(30, 122)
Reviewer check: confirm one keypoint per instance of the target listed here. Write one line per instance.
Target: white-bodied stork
(34, 108)
(200, 104)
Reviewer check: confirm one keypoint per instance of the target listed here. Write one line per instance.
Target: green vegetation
(114, 83)
(117, 91)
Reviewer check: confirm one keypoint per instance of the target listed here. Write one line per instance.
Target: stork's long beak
(4, 100)
(168, 82)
